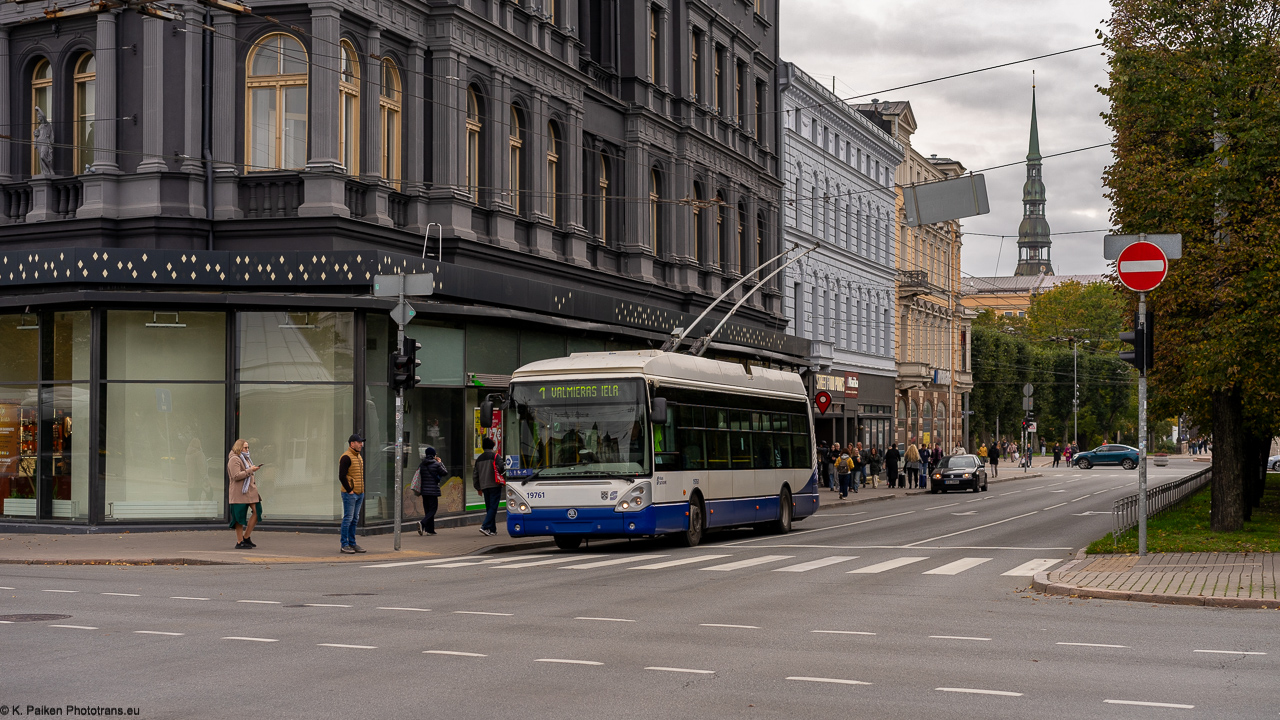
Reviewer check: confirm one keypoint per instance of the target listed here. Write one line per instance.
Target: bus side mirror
(659, 415)
(486, 413)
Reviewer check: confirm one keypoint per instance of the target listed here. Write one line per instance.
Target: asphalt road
(915, 607)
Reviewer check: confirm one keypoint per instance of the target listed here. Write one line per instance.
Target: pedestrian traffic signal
(403, 366)
(411, 348)
(1142, 340)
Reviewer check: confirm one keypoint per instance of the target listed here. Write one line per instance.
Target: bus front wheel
(568, 542)
(697, 519)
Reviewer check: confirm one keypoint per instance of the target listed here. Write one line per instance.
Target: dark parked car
(959, 472)
(1122, 455)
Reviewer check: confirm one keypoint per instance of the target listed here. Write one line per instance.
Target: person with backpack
(844, 470)
(485, 480)
(431, 475)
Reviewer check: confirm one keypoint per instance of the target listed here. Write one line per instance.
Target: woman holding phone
(243, 493)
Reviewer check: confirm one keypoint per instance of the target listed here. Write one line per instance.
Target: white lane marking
(1057, 491)
(1054, 485)
(1230, 652)
(1011, 492)
(75, 627)
(122, 594)
(957, 637)
(250, 639)
(157, 632)
(957, 567)
(971, 512)
(1055, 506)
(980, 527)
(260, 602)
(836, 681)
(452, 652)
(1149, 704)
(407, 609)
(552, 561)
(481, 612)
(349, 647)
(1100, 492)
(939, 507)
(61, 591)
(408, 563)
(6, 622)
(815, 564)
(183, 597)
(975, 500)
(568, 662)
(887, 565)
(842, 632)
(976, 691)
(490, 561)
(1031, 567)
(681, 561)
(750, 562)
(1093, 645)
(832, 527)
(607, 563)
(721, 625)
(1082, 497)
(831, 514)
(324, 605)
(603, 619)
(6, 587)
(1036, 487)
(682, 670)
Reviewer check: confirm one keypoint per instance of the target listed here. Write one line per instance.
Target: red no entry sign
(1142, 266)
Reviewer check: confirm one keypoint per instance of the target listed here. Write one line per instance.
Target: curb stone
(1042, 584)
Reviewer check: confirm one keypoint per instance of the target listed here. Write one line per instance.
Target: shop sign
(851, 385)
(833, 384)
(941, 377)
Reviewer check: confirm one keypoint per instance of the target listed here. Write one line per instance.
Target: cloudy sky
(984, 119)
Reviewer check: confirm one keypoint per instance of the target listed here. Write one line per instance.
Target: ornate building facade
(192, 219)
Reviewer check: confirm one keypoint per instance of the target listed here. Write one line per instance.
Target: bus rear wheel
(568, 542)
(697, 515)
(782, 525)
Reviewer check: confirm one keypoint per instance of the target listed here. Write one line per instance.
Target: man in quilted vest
(351, 475)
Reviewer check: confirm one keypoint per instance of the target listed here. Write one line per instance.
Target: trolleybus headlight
(634, 499)
(524, 508)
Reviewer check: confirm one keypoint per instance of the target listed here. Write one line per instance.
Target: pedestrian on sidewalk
(824, 478)
(431, 473)
(844, 471)
(1069, 453)
(891, 458)
(242, 494)
(874, 461)
(993, 457)
(351, 475)
(913, 465)
(485, 480)
(864, 465)
(1057, 454)
(833, 454)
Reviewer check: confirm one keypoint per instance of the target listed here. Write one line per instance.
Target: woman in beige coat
(243, 493)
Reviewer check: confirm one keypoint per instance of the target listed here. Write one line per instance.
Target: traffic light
(403, 366)
(1142, 339)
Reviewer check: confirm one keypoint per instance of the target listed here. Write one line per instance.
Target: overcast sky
(983, 119)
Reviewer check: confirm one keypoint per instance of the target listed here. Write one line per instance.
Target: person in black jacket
(891, 458)
(486, 482)
(431, 475)
(993, 459)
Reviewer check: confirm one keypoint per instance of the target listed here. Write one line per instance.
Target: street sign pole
(1142, 434)
(399, 431)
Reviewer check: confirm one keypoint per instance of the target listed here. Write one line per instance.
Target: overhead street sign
(1170, 243)
(959, 197)
(418, 284)
(1028, 390)
(1142, 266)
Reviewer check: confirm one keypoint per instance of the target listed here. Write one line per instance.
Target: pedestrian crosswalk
(732, 562)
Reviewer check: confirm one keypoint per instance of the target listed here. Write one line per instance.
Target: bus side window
(801, 457)
(717, 450)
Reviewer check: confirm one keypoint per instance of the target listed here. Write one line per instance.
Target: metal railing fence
(1124, 512)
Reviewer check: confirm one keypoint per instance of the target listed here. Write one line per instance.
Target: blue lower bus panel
(653, 520)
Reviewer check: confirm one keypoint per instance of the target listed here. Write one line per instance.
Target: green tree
(1194, 107)
(1073, 309)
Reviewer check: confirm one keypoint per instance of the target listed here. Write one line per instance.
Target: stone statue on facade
(43, 138)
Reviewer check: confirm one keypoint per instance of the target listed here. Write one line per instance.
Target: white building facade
(839, 170)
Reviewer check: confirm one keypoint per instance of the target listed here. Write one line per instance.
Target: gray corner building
(195, 201)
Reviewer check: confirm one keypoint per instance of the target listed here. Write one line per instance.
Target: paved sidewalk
(1239, 580)
(217, 547)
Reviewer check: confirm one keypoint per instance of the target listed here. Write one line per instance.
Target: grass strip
(1185, 528)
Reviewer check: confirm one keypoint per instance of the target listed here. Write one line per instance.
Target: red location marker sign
(823, 401)
(1142, 266)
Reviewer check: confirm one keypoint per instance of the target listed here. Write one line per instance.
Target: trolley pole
(1142, 435)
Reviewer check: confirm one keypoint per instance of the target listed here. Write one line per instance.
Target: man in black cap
(351, 475)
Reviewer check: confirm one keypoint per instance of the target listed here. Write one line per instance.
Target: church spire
(1033, 234)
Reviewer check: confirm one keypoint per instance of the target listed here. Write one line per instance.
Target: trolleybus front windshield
(575, 429)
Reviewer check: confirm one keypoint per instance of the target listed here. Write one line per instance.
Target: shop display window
(297, 347)
(18, 451)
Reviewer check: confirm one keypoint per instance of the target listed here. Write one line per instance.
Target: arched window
(722, 230)
(744, 256)
(349, 112)
(699, 235)
(41, 100)
(389, 106)
(603, 211)
(515, 146)
(474, 125)
(926, 422)
(86, 94)
(655, 211)
(276, 130)
(553, 171)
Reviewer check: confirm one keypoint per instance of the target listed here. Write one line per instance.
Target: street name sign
(1142, 266)
(1170, 243)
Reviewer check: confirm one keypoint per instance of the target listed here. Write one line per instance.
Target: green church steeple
(1033, 234)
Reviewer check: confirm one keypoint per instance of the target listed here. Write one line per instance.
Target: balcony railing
(914, 281)
(17, 202)
(270, 196)
(68, 196)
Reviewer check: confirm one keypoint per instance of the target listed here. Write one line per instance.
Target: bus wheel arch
(696, 528)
